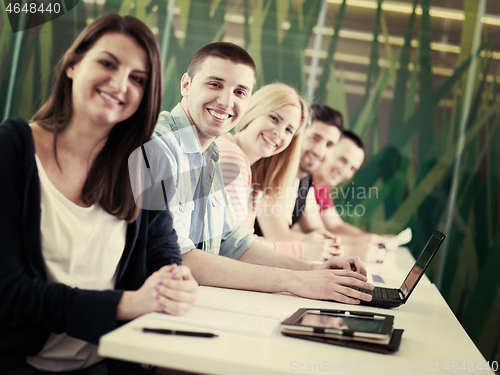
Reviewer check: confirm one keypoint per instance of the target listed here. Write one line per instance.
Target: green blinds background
(417, 79)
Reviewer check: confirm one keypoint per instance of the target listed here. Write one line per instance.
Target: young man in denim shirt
(182, 169)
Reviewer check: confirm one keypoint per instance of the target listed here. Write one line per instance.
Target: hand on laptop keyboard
(352, 263)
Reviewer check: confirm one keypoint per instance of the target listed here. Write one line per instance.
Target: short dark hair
(353, 137)
(328, 115)
(222, 50)
(108, 180)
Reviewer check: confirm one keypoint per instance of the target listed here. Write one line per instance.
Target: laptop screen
(422, 262)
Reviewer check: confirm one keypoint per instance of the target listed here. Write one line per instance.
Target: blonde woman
(263, 157)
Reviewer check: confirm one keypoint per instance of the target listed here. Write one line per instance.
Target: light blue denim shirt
(175, 159)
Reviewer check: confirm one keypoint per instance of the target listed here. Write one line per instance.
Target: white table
(433, 337)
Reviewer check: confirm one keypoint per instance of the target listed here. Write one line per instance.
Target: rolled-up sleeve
(235, 242)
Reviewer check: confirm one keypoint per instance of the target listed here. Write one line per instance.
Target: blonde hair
(278, 170)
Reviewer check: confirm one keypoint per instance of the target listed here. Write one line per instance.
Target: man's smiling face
(343, 161)
(318, 139)
(216, 97)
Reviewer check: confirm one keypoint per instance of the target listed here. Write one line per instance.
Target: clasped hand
(321, 245)
(172, 289)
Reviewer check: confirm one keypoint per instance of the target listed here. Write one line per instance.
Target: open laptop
(389, 297)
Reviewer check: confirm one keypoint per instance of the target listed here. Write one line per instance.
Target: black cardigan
(31, 307)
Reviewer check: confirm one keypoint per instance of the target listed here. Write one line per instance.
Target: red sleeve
(323, 197)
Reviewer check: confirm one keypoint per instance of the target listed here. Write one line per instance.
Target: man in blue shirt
(182, 156)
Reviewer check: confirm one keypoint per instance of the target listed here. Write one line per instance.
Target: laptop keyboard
(380, 293)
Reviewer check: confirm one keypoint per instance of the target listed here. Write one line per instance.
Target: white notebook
(223, 315)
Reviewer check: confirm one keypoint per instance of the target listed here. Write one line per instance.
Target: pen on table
(178, 333)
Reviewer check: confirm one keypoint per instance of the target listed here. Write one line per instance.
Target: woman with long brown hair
(78, 255)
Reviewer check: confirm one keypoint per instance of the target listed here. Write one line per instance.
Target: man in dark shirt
(324, 133)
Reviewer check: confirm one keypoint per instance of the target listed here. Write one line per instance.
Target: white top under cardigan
(82, 247)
